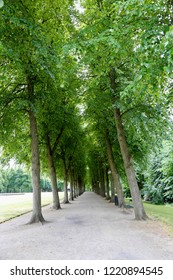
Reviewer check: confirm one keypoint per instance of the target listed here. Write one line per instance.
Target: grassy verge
(13, 206)
(163, 213)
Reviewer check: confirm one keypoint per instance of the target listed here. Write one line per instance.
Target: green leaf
(1, 3)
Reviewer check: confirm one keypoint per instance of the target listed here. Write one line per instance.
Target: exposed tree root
(36, 219)
(56, 207)
(143, 217)
(66, 202)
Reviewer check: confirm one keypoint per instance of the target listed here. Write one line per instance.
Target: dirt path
(89, 228)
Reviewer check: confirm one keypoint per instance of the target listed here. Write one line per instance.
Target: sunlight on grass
(14, 205)
(163, 213)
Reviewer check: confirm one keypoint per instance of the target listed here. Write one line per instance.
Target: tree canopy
(86, 95)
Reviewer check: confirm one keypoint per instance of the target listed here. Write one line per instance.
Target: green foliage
(45, 185)
(71, 150)
(60, 186)
(159, 179)
(32, 39)
(18, 181)
(15, 180)
(68, 56)
(1, 3)
(126, 36)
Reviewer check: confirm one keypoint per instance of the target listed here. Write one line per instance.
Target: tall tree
(100, 119)
(112, 35)
(31, 23)
(114, 170)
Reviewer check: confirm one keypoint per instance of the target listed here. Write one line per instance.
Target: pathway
(89, 228)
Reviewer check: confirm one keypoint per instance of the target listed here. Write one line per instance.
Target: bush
(159, 176)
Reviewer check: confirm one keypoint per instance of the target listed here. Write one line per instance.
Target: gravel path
(89, 228)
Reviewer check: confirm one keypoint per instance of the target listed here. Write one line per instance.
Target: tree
(55, 114)
(100, 121)
(15, 180)
(29, 23)
(158, 175)
(114, 36)
(116, 57)
(114, 170)
(127, 158)
(71, 153)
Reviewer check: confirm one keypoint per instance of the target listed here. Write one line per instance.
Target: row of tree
(39, 114)
(16, 181)
(126, 50)
(86, 92)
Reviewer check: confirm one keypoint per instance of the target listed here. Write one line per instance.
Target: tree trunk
(114, 171)
(80, 185)
(102, 179)
(53, 178)
(71, 186)
(130, 172)
(96, 181)
(65, 186)
(35, 160)
(77, 187)
(112, 189)
(74, 189)
(107, 184)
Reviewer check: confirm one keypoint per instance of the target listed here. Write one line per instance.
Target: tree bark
(102, 179)
(114, 171)
(71, 186)
(53, 178)
(77, 187)
(74, 188)
(96, 180)
(107, 184)
(129, 170)
(65, 185)
(35, 160)
(112, 190)
(80, 185)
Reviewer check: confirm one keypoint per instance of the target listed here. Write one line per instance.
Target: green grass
(13, 206)
(163, 213)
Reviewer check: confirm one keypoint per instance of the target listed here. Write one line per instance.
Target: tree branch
(57, 140)
(134, 108)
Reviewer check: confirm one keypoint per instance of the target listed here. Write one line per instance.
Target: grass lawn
(14, 205)
(162, 213)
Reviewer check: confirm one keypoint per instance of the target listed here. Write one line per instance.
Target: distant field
(13, 205)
